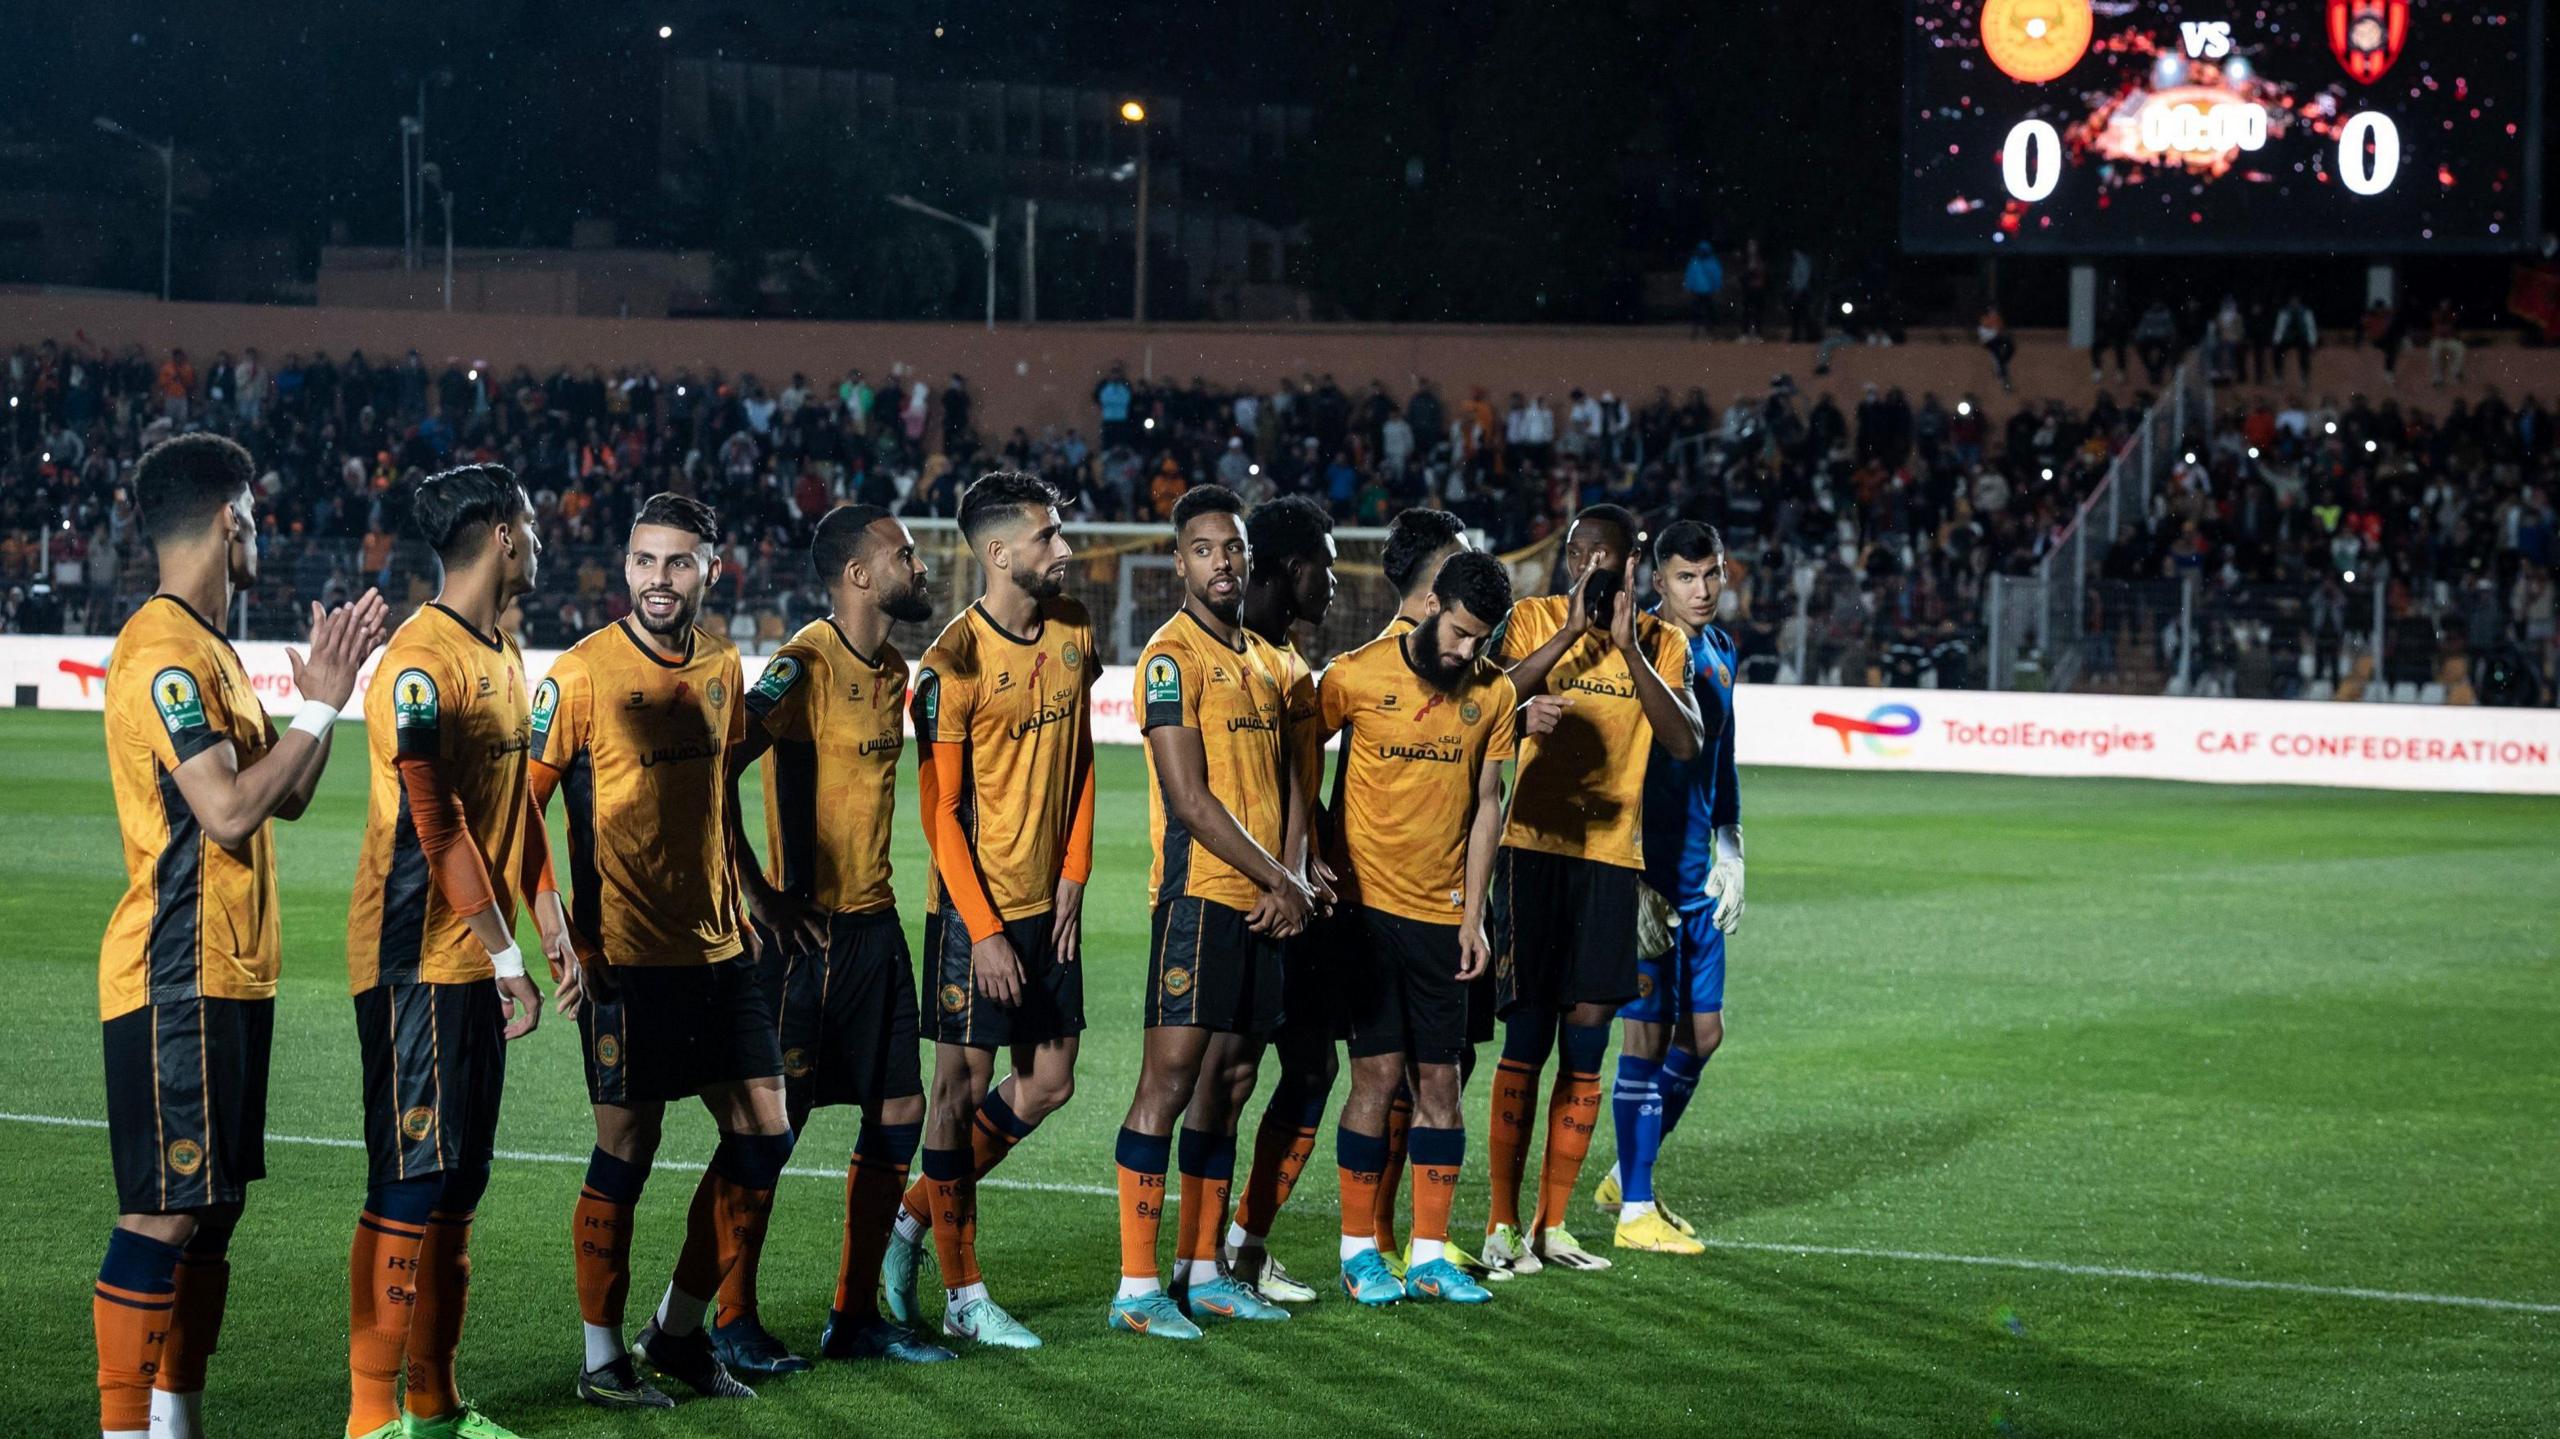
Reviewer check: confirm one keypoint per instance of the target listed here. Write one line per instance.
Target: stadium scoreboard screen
(2099, 126)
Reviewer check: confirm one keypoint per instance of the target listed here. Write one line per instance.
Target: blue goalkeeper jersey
(1686, 800)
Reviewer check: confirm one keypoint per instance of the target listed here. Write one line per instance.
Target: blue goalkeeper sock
(1637, 1106)
(1680, 1071)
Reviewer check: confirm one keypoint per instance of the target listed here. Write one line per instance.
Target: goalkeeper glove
(1724, 879)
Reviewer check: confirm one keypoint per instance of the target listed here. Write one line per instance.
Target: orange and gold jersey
(836, 716)
(196, 920)
(1580, 791)
(445, 692)
(1022, 708)
(1305, 733)
(1237, 699)
(1411, 758)
(641, 745)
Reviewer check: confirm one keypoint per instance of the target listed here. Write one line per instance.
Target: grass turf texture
(2281, 1035)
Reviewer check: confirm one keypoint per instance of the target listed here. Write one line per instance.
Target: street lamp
(985, 235)
(1135, 112)
(413, 131)
(432, 174)
(168, 154)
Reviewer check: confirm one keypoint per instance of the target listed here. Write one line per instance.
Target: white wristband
(314, 718)
(509, 962)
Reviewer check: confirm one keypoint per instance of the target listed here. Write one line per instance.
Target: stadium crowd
(1865, 529)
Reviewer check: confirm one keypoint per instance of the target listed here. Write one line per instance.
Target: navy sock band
(1142, 1153)
(1359, 1153)
(614, 1179)
(1439, 1148)
(1584, 1047)
(405, 1201)
(1211, 1156)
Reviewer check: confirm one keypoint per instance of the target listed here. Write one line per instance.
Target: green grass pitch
(1995, 1045)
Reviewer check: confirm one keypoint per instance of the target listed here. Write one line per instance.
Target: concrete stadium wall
(2356, 746)
(1044, 374)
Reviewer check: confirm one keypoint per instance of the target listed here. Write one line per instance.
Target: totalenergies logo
(1883, 725)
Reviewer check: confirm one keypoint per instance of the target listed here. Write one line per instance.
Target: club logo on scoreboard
(2366, 36)
(2033, 41)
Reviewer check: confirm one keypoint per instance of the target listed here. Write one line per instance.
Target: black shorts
(1206, 970)
(1052, 1004)
(671, 1031)
(1314, 968)
(1564, 930)
(435, 1065)
(1402, 995)
(187, 1102)
(848, 1013)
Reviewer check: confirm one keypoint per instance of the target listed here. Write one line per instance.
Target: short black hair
(679, 512)
(839, 538)
(451, 505)
(1687, 540)
(990, 495)
(1478, 581)
(1618, 517)
(1206, 500)
(1291, 527)
(180, 483)
(1413, 537)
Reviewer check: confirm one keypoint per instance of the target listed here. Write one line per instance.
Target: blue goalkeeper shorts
(1687, 980)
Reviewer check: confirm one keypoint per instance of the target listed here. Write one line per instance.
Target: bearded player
(633, 727)
(1693, 859)
(830, 725)
(1223, 807)
(1002, 707)
(450, 850)
(187, 968)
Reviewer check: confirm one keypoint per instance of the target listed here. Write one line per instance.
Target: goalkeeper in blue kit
(1693, 868)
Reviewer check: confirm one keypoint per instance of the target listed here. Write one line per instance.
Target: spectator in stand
(2297, 333)
(1702, 282)
(2380, 328)
(1993, 334)
(957, 437)
(2445, 350)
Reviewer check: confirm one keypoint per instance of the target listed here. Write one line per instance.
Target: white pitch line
(1908, 1256)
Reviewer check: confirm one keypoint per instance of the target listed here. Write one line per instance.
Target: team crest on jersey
(546, 698)
(777, 680)
(417, 1122)
(718, 694)
(185, 1156)
(608, 1050)
(1644, 985)
(180, 703)
(954, 999)
(1723, 676)
(1071, 656)
(1164, 681)
(1470, 711)
(1177, 981)
(414, 700)
(795, 1063)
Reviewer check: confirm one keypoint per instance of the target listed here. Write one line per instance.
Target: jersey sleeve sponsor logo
(180, 702)
(546, 701)
(1164, 681)
(778, 678)
(928, 699)
(414, 701)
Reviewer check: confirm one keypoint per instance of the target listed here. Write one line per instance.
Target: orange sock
(1141, 1163)
(737, 1299)
(132, 1312)
(204, 1286)
(872, 1189)
(1573, 1112)
(1437, 1157)
(435, 1330)
(993, 1132)
(382, 1275)
(724, 1220)
(952, 1190)
(602, 1229)
(1359, 1158)
(1391, 1178)
(1515, 1088)
(1281, 1149)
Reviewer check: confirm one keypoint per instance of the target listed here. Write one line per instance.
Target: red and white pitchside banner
(2359, 746)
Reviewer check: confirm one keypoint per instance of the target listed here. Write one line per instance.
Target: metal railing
(2047, 608)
